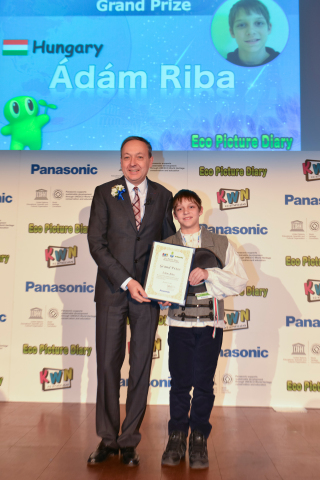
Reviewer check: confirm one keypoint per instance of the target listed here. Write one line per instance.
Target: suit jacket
(118, 248)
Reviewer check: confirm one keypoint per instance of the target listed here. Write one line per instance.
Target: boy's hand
(164, 305)
(197, 276)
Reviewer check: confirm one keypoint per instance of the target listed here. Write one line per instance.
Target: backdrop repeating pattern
(267, 204)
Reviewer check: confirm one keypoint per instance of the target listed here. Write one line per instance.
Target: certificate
(168, 272)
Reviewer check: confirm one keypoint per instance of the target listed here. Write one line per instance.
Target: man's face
(187, 213)
(250, 31)
(135, 161)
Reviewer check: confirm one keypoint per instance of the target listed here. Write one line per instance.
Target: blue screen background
(264, 100)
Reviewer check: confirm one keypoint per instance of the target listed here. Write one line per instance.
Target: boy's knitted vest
(218, 244)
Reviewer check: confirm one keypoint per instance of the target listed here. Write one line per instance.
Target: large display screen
(187, 75)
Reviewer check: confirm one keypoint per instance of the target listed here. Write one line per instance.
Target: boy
(195, 332)
(249, 22)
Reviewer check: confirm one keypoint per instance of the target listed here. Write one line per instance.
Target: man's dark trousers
(111, 329)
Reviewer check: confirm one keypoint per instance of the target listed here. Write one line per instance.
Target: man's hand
(137, 292)
(197, 276)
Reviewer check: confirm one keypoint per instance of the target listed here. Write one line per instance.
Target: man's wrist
(124, 285)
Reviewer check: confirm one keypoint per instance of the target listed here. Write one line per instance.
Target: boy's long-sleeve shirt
(221, 283)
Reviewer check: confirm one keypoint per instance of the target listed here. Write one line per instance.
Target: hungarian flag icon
(15, 47)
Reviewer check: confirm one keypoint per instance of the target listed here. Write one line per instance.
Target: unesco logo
(227, 379)
(314, 225)
(53, 313)
(315, 349)
(58, 194)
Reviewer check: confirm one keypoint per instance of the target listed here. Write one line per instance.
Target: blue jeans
(193, 358)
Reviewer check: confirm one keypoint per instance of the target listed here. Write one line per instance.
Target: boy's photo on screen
(250, 33)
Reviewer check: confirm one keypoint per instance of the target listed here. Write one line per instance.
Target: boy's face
(187, 213)
(250, 31)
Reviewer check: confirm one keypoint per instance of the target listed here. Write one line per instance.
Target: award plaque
(168, 272)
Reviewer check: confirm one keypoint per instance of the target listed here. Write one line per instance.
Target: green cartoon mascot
(24, 122)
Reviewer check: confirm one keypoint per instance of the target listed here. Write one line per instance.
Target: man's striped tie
(136, 207)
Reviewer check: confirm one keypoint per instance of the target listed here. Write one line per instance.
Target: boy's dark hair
(248, 6)
(188, 195)
(141, 139)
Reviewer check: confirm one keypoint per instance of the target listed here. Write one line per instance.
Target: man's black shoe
(101, 454)
(175, 450)
(129, 456)
(198, 453)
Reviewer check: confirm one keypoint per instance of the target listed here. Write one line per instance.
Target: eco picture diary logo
(51, 228)
(308, 385)
(229, 199)
(311, 170)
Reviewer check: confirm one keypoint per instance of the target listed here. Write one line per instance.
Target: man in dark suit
(127, 215)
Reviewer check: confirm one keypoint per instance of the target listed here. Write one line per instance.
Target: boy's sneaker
(198, 453)
(175, 449)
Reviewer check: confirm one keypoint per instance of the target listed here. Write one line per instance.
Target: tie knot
(136, 189)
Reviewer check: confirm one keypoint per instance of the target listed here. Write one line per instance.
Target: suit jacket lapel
(151, 200)
(126, 203)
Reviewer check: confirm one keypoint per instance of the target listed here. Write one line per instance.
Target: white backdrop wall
(271, 348)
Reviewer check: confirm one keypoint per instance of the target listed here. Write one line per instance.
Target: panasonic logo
(35, 168)
(37, 287)
(244, 353)
(257, 230)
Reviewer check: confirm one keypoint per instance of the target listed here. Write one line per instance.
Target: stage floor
(53, 441)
